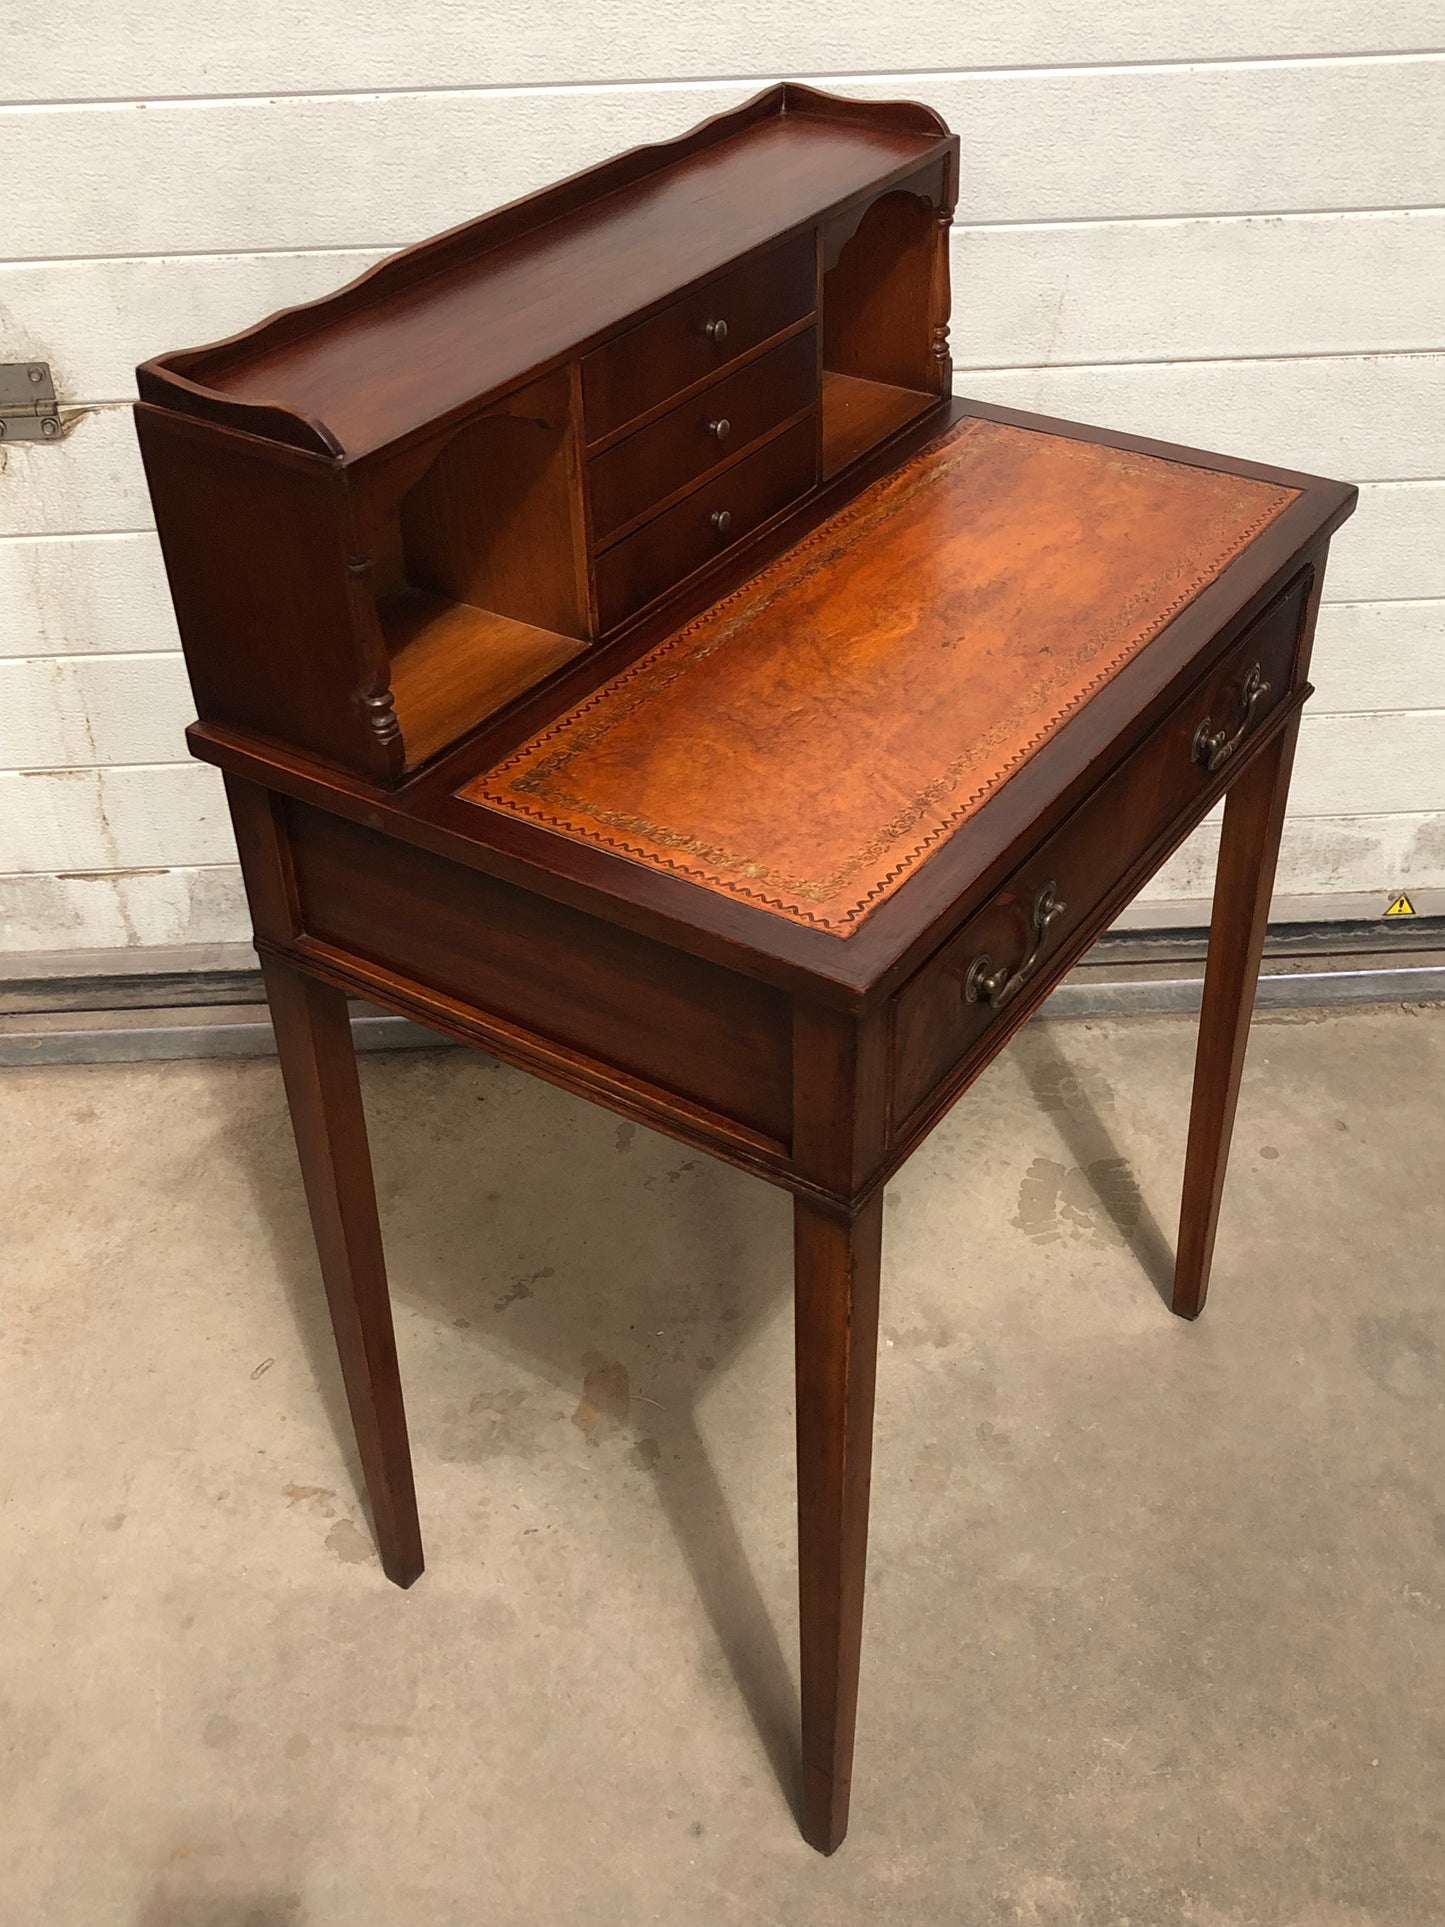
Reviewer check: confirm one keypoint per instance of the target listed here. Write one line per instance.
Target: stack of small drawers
(701, 423)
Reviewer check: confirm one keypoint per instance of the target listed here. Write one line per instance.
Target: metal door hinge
(27, 402)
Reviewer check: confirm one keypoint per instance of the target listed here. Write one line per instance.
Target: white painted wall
(1219, 224)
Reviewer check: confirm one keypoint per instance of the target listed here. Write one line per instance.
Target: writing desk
(626, 655)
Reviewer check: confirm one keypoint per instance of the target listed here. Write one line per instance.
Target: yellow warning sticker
(1401, 907)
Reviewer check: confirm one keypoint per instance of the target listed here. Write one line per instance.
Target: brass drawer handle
(716, 332)
(720, 429)
(1214, 748)
(722, 520)
(986, 985)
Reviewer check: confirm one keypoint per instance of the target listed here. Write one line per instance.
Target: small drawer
(698, 336)
(705, 524)
(1017, 940)
(694, 438)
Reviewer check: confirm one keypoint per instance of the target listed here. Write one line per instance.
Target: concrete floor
(1155, 1619)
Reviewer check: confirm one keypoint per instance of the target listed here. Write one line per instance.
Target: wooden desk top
(868, 957)
(808, 742)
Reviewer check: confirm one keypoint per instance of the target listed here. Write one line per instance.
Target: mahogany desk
(625, 655)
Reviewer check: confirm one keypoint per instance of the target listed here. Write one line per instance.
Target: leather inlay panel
(809, 741)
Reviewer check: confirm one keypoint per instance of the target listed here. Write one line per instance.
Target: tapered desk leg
(318, 1062)
(836, 1265)
(1248, 849)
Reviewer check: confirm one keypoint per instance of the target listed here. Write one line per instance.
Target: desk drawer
(694, 438)
(1019, 938)
(705, 524)
(698, 336)
(617, 1002)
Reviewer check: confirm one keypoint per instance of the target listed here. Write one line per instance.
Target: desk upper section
(389, 515)
(457, 320)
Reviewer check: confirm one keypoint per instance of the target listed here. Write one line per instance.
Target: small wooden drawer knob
(720, 429)
(721, 520)
(716, 331)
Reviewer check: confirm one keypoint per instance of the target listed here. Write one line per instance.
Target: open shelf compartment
(479, 565)
(882, 364)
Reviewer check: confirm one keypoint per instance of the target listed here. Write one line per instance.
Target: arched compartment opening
(480, 572)
(879, 364)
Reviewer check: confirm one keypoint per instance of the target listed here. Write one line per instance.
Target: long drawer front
(613, 998)
(944, 1012)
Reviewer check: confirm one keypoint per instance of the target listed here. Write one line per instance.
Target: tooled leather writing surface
(808, 741)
